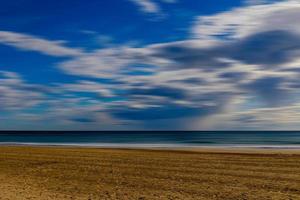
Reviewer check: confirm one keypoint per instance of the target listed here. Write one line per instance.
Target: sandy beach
(90, 173)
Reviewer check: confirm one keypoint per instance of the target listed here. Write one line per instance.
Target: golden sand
(87, 173)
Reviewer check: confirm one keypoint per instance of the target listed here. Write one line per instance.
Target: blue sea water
(260, 139)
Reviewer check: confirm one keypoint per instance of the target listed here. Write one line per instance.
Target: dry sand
(88, 173)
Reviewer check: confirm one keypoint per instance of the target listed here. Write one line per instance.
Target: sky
(150, 65)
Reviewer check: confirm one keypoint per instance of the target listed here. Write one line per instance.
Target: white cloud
(244, 21)
(205, 72)
(110, 62)
(89, 87)
(32, 43)
(147, 6)
(15, 94)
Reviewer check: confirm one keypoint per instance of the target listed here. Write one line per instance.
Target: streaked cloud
(89, 87)
(234, 66)
(15, 94)
(245, 21)
(32, 43)
(147, 6)
(151, 6)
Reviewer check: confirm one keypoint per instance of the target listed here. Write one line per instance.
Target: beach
(28, 172)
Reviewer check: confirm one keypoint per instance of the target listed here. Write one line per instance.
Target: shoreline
(151, 145)
(170, 148)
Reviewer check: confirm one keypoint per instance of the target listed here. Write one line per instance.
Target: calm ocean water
(262, 139)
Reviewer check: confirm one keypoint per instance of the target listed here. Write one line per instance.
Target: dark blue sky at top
(68, 19)
(239, 67)
(63, 19)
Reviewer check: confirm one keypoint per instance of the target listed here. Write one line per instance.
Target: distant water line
(256, 139)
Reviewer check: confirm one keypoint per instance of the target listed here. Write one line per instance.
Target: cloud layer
(238, 68)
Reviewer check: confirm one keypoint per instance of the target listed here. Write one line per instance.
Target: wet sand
(91, 173)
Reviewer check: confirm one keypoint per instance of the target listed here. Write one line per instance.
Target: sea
(255, 139)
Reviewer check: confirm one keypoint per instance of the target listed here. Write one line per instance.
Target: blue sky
(149, 65)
